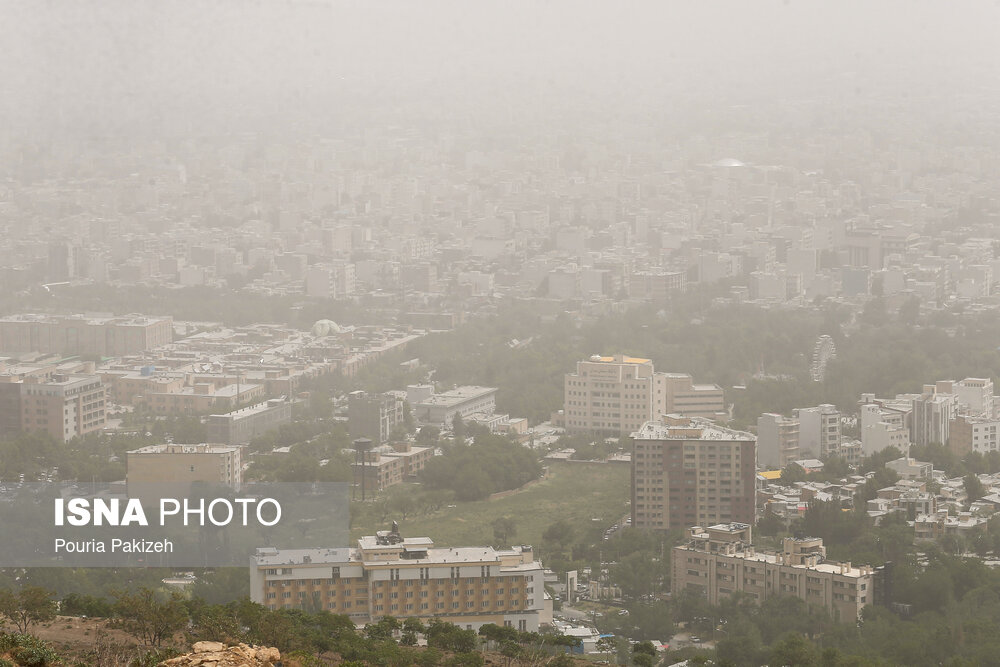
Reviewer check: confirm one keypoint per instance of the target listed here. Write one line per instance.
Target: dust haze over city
(651, 333)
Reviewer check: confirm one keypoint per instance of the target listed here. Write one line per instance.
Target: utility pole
(361, 448)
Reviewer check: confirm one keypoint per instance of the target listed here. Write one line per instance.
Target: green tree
(150, 617)
(793, 650)
(558, 535)
(636, 574)
(793, 473)
(644, 654)
(458, 429)
(504, 530)
(383, 628)
(607, 646)
(974, 489)
(28, 606)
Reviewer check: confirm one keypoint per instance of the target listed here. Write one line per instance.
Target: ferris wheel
(823, 351)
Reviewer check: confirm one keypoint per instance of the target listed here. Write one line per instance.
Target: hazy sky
(94, 66)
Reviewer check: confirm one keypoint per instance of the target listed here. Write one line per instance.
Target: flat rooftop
(124, 320)
(267, 556)
(207, 448)
(371, 542)
(830, 567)
(456, 396)
(697, 429)
(624, 360)
(437, 555)
(250, 409)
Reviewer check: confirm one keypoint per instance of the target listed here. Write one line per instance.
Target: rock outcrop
(214, 654)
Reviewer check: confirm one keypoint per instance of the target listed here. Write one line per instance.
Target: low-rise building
(464, 401)
(386, 465)
(908, 468)
(388, 575)
(183, 465)
(203, 397)
(940, 523)
(243, 425)
(720, 560)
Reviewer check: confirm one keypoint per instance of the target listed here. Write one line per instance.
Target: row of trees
(725, 344)
(954, 606)
(156, 618)
(490, 464)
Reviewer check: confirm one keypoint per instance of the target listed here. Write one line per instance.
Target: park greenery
(760, 356)
(941, 606)
(163, 622)
(490, 464)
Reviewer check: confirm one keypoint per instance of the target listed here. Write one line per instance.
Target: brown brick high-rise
(689, 471)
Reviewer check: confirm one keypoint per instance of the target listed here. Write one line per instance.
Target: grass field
(576, 492)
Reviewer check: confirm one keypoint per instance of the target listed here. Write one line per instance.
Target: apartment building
(933, 411)
(687, 470)
(685, 397)
(465, 401)
(386, 574)
(104, 336)
(819, 430)
(612, 395)
(384, 466)
(883, 424)
(616, 395)
(777, 441)
(934, 525)
(243, 425)
(203, 397)
(129, 387)
(720, 560)
(975, 397)
(63, 405)
(183, 465)
(973, 434)
(373, 416)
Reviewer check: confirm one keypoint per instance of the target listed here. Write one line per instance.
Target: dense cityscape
(654, 337)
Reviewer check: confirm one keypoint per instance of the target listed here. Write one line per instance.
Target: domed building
(325, 328)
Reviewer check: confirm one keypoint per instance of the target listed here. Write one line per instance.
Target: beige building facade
(720, 560)
(103, 336)
(185, 464)
(65, 406)
(388, 575)
(689, 470)
(616, 395)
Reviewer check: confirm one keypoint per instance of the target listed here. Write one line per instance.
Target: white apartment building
(933, 411)
(975, 396)
(883, 426)
(777, 441)
(819, 429)
(616, 395)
